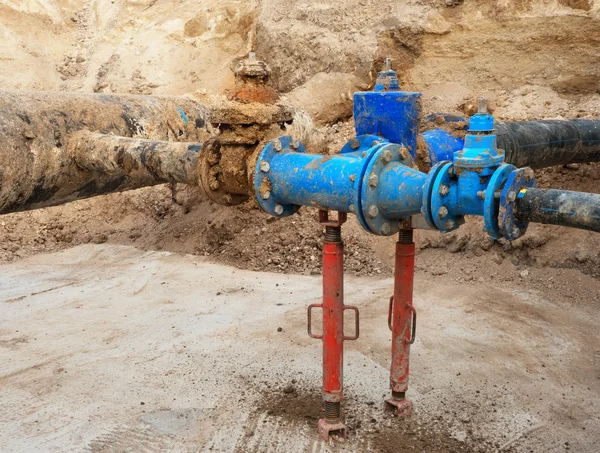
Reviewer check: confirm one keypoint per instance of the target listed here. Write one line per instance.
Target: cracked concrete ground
(111, 349)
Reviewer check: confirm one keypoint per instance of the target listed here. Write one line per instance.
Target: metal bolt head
(529, 175)
(364, 154)
(266, 195)
(387, 156)
(373, 180)
(278, 209)
(354, 143)
(444, 189)
(404, 154)
(387, 64)
(442, 212)
(516, 232)
(373, 211)
(483, 106)
(264, 166)
(450, 225)
(352, 209)
(386, 228)
(512, 196)
(277, 145)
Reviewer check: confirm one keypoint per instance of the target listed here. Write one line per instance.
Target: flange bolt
(373, 211)
(264, 166)
(373, 180)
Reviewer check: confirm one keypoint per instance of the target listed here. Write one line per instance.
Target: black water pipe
(545, 143)
(559, 207)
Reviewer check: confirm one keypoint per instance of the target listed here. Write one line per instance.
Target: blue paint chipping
(183, 115)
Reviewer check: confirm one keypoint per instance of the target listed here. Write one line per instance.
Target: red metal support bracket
(327, 222)
(333, 325)
(402, 321)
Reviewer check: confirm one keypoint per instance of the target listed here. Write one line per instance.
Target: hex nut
(373, 180)
(266, 195)
(386, 228)
(278, 209)
(354, 143)
(387, 156)
(404, 152)
(444, 190)
(277, 145)
(442, 212)
(373, 211)
(264, 166)
(450, 225)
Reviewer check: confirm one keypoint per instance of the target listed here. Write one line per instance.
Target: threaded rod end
(333, 234)
(405, 236)
(332, 411)
(398, 396)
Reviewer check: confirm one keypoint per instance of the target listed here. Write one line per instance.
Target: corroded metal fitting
(252, 68)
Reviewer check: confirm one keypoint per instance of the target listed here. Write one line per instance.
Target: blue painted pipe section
(441, 145)
(370, 178)
(400, 191)
(467, 202)
(327, 182)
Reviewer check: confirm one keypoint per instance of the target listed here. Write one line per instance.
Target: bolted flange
(440, 197)
(373, 218)
(211, 178)
(491, 204)
(262, 184)
(516, 181)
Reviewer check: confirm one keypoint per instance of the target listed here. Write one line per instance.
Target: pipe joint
(371, 178)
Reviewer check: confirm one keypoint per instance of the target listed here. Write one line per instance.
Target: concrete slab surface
(110, 349)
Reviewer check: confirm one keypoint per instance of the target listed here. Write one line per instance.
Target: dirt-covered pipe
(147, 162)
(43, 163)
(559, 207)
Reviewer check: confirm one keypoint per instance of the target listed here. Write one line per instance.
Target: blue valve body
(375, 177)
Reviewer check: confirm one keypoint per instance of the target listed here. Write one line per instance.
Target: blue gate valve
(375, 178)
(477, 182)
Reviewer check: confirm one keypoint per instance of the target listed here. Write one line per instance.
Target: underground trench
(60, 147)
